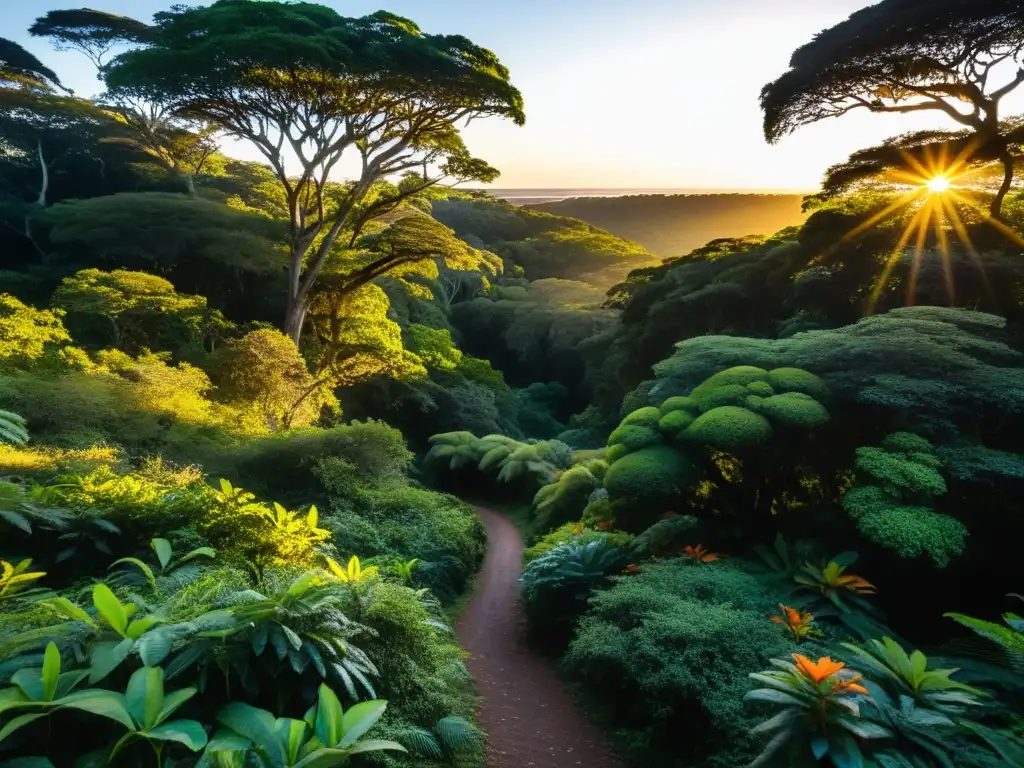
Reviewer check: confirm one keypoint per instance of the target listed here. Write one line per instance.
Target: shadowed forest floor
(529, 717)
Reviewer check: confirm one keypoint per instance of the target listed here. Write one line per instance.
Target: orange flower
(849, 686)
(856, 584)
(604, 526)
(631, 568)
(700, 554)
(799, 623)
(817, 671)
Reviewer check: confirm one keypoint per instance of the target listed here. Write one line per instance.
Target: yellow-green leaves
(50, 671)
(14, 578)
(110, 608)
(353, 573)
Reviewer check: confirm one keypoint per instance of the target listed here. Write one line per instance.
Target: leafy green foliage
(12, 428)
(894, 506)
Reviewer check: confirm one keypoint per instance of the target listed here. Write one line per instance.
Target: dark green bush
(665, 655)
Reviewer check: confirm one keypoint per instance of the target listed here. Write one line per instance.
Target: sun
(939, 184)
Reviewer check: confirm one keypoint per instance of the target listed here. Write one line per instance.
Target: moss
(644, 417)
(634, 437)
(907, 442)
(730, 429)
(674, 422)
(651, 474)
(730, 394)
(900, 473)
(794, 409)
(616, 452)
(760, 388)
(739, 375)
(908, 530)
(798, 380)
(678, 403)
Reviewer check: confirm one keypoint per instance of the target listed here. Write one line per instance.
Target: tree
(903, 56)
(164, 229)
(183, 149)
(901, 157)
(39, 127)
(301, 83)
(27, 333)
(132, 302)
(264, 372)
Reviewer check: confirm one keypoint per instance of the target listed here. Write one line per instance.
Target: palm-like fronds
(12, 428)
(18, 508)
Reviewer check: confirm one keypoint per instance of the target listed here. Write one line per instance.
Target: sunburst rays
(940, 189)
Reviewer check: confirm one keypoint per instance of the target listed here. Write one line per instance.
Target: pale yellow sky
(642, 94)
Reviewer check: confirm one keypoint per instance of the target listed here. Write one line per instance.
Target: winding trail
(529, 718)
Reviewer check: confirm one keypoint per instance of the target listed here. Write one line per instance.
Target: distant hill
(672, 225)
(542, 244)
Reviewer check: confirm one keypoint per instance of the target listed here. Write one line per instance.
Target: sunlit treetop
(94, 33)
(21, 69)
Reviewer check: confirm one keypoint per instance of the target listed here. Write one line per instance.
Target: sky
(654, 94)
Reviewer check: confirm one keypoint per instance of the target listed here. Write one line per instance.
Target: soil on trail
(529, 718)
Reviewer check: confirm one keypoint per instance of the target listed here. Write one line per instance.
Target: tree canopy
(300, 81)
(904, 56)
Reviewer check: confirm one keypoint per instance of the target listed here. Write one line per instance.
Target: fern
(420, 742)
(457, 735)
(12, 428)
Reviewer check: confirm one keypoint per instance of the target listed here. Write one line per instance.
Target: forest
(768, 486)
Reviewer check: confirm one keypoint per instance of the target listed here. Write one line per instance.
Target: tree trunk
(44, 185)
(189, 182)
(1008, 168)
(294, 319)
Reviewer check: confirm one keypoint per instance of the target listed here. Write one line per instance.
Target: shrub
(644, 417)
(665, 653)
(575, 533)
(674, 422)
(565, 500)
(652, 474)
(678, 403)
(730, 429)
(443, 532)
(556, 586)
(792, 409)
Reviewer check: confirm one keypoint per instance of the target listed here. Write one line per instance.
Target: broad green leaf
(30, 762)
(187, 732)
(376, 745)
(292, 735)
(359, 719)
(774, 697)
(67, 610)
(819, 747)
(226, 740)
(209, 552)
(256, 725)
(173, 702)
(138, 628)
(51, 671)
(103, 703)
(302, 584)
(16, 723)
(12, 698)
(146, 570)
(154, 647)
(30, 681)
(110, 608)
(145, 696)
(67, 681)
(163, 550)
(330, 726)
(105, 657)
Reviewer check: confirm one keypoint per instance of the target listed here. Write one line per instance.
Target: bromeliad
(700, 554)
(800, 624)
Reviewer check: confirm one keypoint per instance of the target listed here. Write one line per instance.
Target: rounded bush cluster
(730, 429)
(792, 409)
(644, 417)
(650, 474)
(634, 437)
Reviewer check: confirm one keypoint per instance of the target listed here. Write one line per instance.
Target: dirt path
(528, 716)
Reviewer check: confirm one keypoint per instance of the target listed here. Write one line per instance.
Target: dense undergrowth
(770, 487)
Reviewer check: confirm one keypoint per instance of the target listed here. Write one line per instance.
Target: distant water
(550, 195)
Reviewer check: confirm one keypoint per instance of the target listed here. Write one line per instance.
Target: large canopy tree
(183, 148)
(306, 86)
(901, 56)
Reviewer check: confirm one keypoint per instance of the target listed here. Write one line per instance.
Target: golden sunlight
(939, 184)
